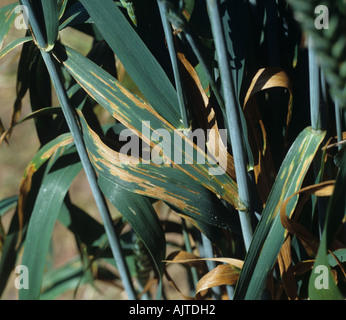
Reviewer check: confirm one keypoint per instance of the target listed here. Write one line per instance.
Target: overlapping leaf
(264, 169)
(205, 112)
(132, 112)
(161, 182)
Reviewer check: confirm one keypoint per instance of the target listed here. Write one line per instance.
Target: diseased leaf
(195, 261)
(145, 121)
(264, 169)
(225, 274)
(205, 113)
(270, 234)
(289, 222)
(157, 181)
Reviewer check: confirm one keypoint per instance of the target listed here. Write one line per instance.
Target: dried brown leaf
(223, 274)
(264, 169)
(205, 113)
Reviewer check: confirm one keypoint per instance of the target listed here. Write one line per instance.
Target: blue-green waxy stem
(314, 78)
(233, 120)
(175, 66)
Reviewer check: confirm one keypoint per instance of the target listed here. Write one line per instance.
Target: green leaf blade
(46, 210)
(269, 234)
(7, 204)
(14, 44)
(51, 18)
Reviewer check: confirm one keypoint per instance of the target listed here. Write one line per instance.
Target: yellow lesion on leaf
(196, 171)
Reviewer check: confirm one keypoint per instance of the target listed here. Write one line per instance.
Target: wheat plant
(212, 136)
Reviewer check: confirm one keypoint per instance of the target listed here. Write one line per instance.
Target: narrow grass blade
(47, 207)
(14, 44)
(269, 234)
(63, 279)
(62, 7)
(233, 122)
(51, 18)
(75, 15)
(7, 204)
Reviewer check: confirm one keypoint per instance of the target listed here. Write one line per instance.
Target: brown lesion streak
(229, 188)
(105, 158)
